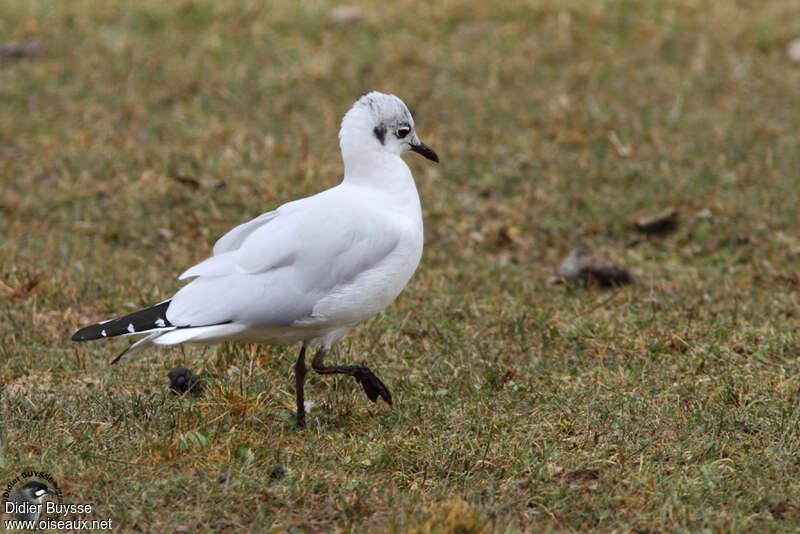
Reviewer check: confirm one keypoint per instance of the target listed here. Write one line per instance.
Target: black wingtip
(81, 335)
(95, 331)
(137, 322)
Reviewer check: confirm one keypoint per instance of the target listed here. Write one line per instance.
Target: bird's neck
(388, 177)
(380, 170)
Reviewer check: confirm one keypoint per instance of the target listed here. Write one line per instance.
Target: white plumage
(313, 268)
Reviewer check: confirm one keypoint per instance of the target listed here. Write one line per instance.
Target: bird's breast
(375, 288)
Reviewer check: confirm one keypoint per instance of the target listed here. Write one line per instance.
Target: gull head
(382, 123)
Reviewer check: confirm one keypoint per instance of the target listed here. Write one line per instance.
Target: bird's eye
(402, 132)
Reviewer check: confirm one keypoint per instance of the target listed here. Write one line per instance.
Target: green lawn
(147, 129)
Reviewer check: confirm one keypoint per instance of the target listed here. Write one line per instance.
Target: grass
(667, 406)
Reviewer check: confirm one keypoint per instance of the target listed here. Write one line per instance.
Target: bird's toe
(373, 386)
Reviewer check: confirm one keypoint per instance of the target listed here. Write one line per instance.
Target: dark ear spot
(380, 133)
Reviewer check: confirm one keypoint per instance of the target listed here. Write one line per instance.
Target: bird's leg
(373, 386)
(299, 380)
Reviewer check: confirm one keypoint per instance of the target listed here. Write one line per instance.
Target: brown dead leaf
(660, 223)
(581, 266)
(507, 236)
(581, 476)
(23, 49)
(793, 50)
(783, 509)
(19, 286)
(345, 14)
(508, 375)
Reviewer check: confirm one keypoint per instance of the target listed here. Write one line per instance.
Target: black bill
(425, 151)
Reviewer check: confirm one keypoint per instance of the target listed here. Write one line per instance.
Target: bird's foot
(300, 424)
(373, 386)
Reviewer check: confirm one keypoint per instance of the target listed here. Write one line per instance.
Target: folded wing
(272, 270)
